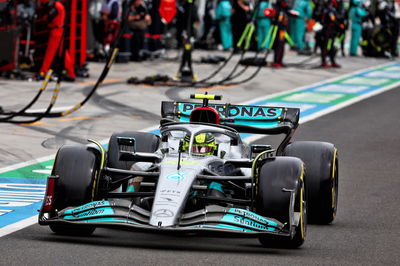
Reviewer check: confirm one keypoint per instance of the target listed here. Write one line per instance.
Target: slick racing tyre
(377, 41)
(277, 177)
(321, 162)
(77, 167)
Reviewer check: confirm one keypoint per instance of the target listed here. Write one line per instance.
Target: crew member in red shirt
(56, 19)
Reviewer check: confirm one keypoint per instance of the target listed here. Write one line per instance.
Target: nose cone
(173, 189)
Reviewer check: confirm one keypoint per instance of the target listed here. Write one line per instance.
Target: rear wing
(243, 118)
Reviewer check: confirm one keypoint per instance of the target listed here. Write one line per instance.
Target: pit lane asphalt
(366, 231)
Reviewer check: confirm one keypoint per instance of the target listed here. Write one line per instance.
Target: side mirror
(126, 144)
(261, 148)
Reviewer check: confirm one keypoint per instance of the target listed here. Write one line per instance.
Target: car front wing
(212, 219)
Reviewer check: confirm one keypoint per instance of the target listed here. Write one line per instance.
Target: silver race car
(197, 176)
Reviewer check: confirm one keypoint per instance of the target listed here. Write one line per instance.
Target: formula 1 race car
(197, 176)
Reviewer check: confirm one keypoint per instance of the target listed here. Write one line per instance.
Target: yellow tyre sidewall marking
(333, 183)
(102, 162)
(302, 226)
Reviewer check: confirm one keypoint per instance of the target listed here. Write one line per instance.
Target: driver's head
(203, 144)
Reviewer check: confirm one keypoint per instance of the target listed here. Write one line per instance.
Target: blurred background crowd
(37, 35)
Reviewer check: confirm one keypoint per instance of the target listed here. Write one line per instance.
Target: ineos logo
(163, 213)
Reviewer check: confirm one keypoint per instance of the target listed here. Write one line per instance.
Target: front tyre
(78, 168)
(276, 177)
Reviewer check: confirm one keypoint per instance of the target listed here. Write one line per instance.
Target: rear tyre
(77, 167)
(276, 175)
(321, 162)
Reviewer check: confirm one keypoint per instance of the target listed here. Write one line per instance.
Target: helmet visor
(202, 149)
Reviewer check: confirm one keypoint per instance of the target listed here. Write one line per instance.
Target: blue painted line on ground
(20, 198)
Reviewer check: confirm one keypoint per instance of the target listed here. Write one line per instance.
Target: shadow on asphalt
(121, 239)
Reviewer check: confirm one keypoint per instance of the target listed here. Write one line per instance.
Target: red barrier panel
(8, 36)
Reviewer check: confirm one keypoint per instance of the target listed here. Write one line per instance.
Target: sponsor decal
(187, 108)
(177, 176)
(165, 201)
(88, 206)
(90, 213)
(170, 192)
(239, 220)
(47, 202)
(163, 213)
(167, 197)
(238, 112)
(223, 226)
(244, 112)
(251, 215)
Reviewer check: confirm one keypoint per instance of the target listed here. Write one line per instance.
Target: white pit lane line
(252, 137)
(18, 225)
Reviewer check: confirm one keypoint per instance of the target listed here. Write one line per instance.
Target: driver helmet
(203, 144)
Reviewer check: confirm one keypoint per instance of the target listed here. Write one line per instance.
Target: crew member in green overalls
(356, 15)
(263, 25)
(298, 30)
(223, 16)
